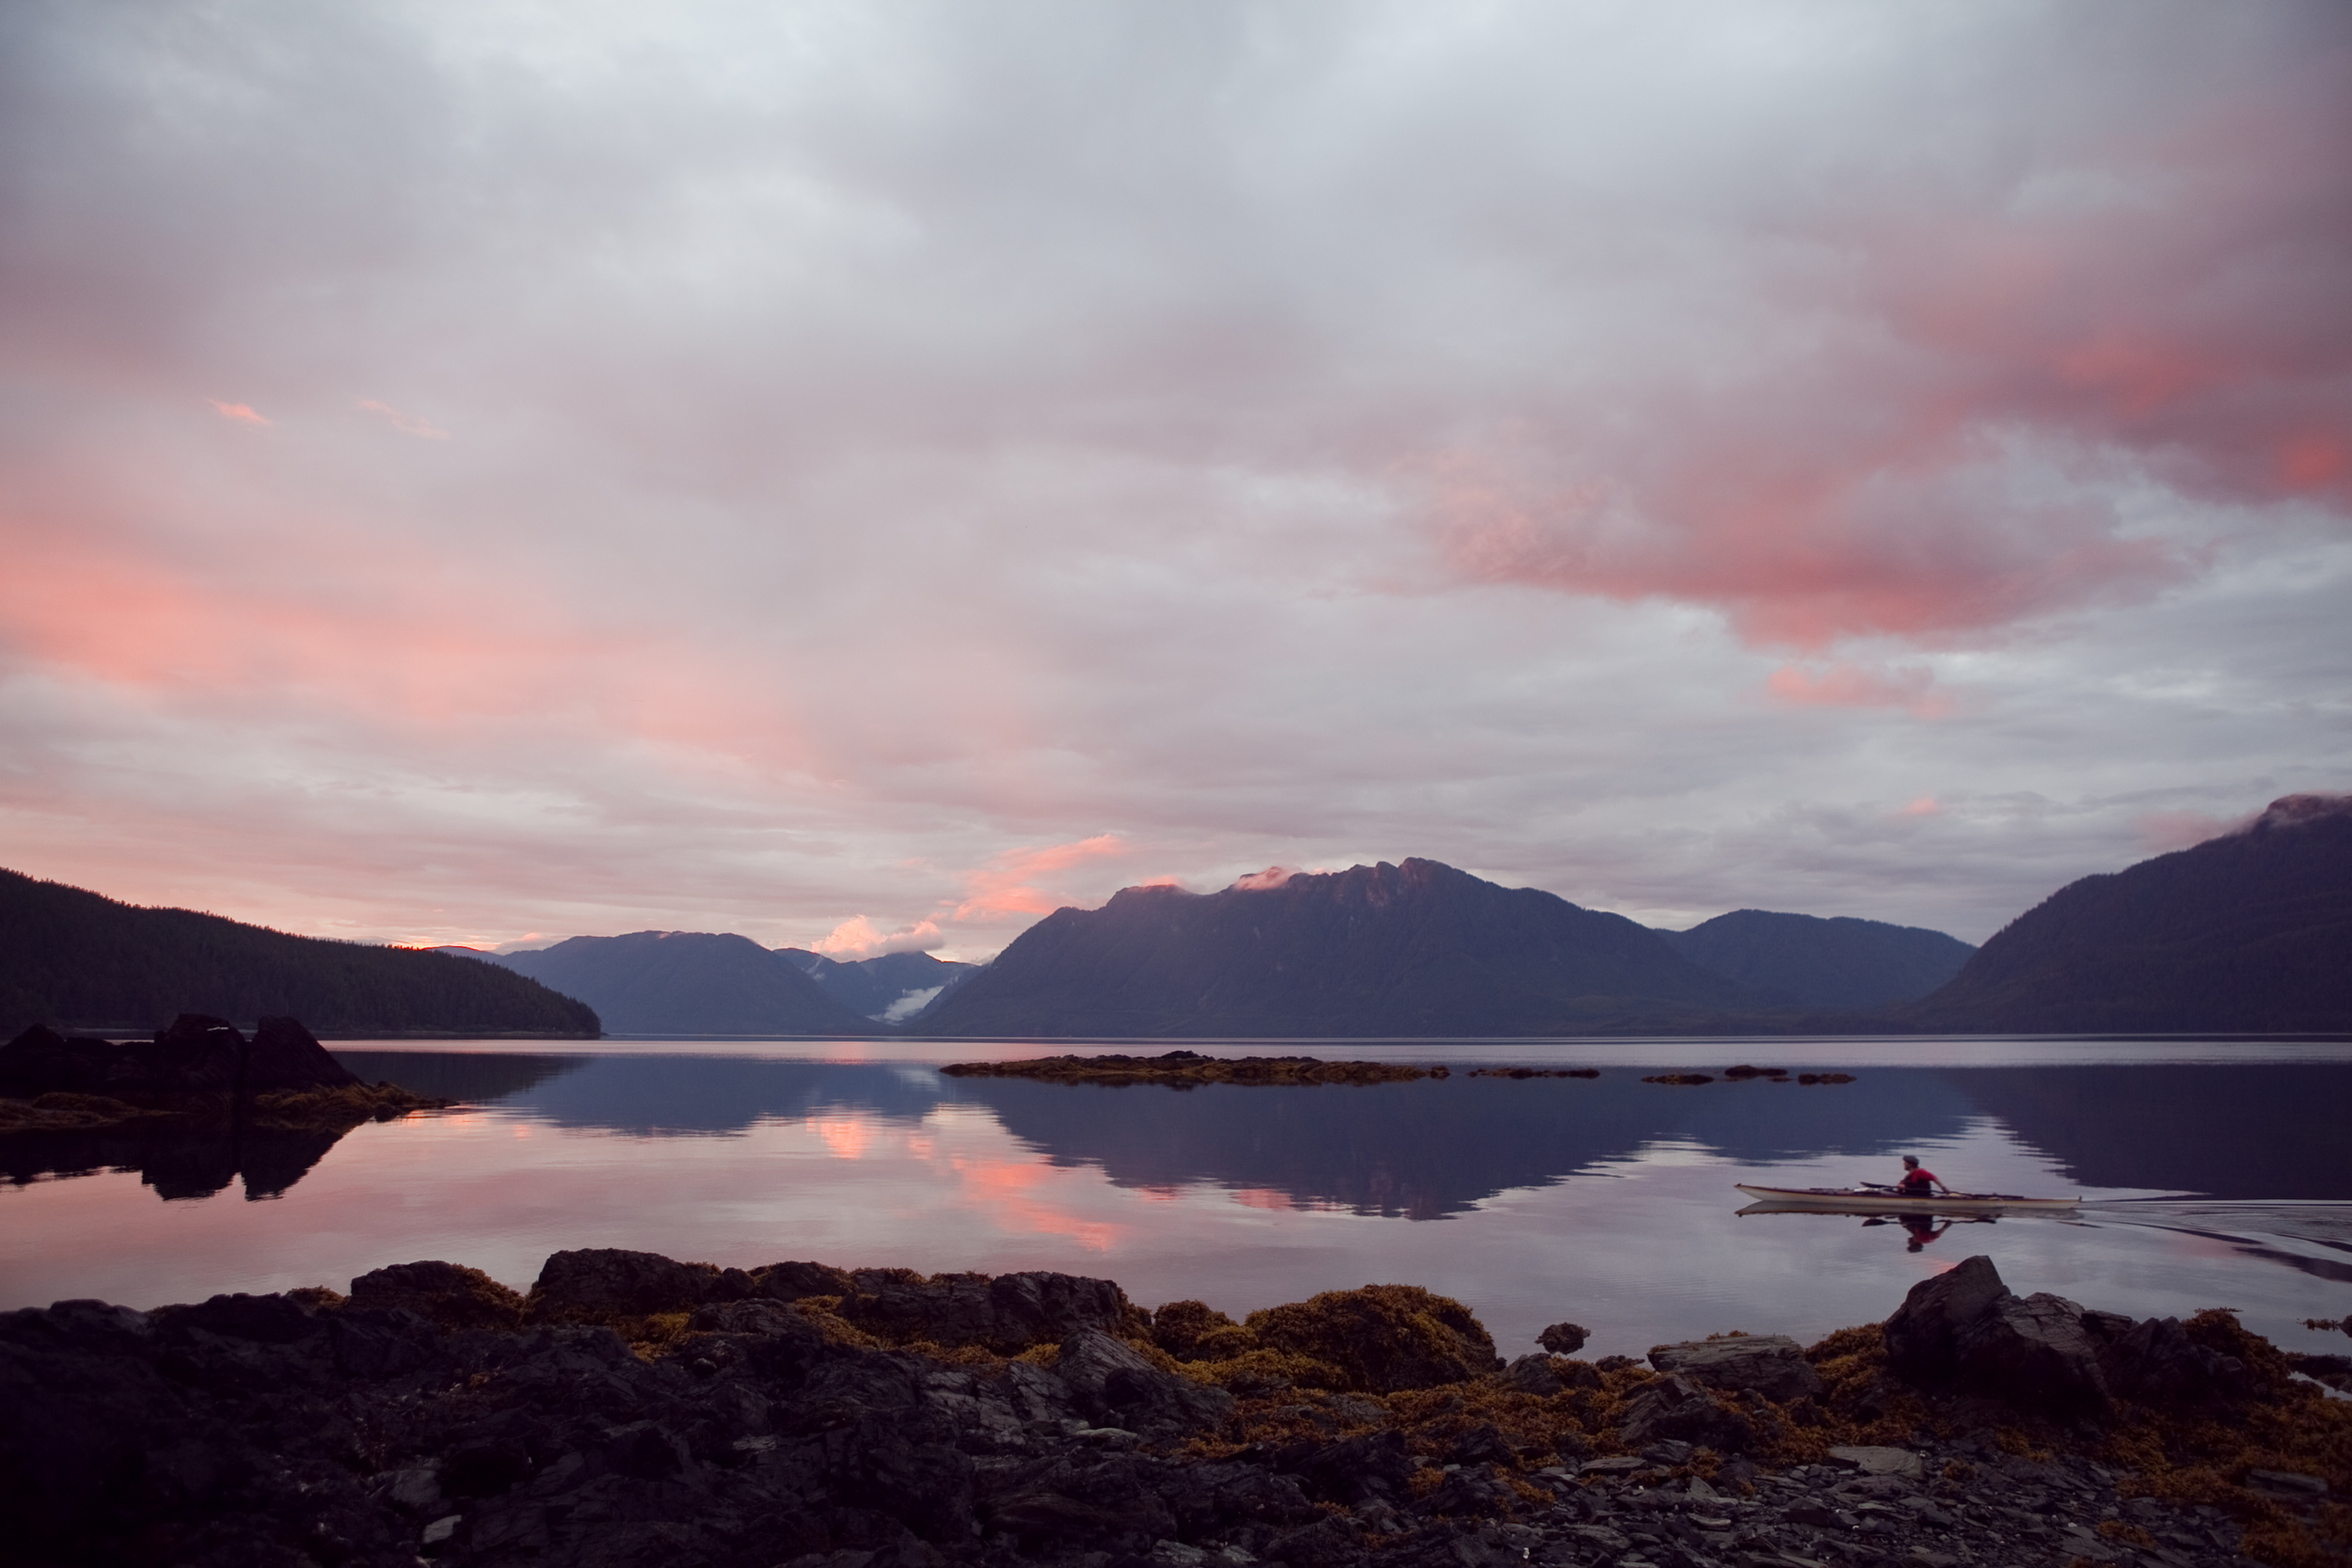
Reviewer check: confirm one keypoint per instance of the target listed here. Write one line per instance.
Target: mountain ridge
(1835, 961)
(2248, 932)
(688, 982)
(1404, 950)
(76, 959)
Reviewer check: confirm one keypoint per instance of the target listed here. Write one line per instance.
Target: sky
(865, 475)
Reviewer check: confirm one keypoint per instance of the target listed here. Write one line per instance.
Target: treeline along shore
(628, 1409)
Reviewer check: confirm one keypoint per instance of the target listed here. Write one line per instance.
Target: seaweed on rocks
(433, 1412)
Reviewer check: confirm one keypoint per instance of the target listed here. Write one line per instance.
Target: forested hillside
(74, 960)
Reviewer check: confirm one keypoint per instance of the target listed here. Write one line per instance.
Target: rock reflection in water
(181, 1160)
(176, 1159)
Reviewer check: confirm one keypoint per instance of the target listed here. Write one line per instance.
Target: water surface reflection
(1609, 1201)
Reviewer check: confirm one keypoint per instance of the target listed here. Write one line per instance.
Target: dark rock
(1533, 1374)
(1325, 1543)
(196, 1054)
(605, 1282)
(2334, 1371)
(1923, 1336)
(1677, 1407)
(1564, 1339)
(449, 1294)
(792, 1281)
(1474, 1491)
(261, 1319)
(1355, 1470)
(1008, 1313)
(1481, 1444)
(2157, 1363)
(1771, 1364)
(2032, 1353)
(285, 1056)
(283, 1431)
(1112, 1381)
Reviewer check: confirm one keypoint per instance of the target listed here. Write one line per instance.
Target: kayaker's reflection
(1919, 1229)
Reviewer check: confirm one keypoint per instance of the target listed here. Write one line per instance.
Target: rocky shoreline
(634, 1410)
(198, 1071)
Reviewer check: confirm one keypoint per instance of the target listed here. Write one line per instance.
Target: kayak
(1879, 1200)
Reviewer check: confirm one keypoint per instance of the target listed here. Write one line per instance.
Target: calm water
(2217, 1174)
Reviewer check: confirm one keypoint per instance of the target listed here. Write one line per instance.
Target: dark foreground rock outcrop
(630, 1409)
(194, 1054)
(196, 1069)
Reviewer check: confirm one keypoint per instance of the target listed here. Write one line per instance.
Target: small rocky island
(1185, 1069)
(197, 1068)
(634, 1410)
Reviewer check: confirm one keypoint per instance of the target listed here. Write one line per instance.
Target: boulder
(449, 1294)
(1677, 1407)
(1771, 1364)
(1382, 1337)
(2157, 1363)
(2031, 1351)
(1923, 1336)
(1115, 1386)
(1564, 1339)
(1964, 1331)
(1533, 1374)
(41, 1061)
(792, 1281)
(1007, 1313)
(285, 1056)
(608, 1282)
(196, 1054)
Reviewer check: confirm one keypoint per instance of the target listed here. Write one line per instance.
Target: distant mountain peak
(2298, 811)
(1413, 949)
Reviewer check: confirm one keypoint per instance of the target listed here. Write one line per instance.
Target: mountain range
(1414, 949)
(701, 983)
(2250, 931)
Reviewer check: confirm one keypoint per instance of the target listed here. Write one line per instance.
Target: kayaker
(1917, 1182)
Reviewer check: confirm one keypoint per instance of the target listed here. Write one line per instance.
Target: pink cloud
(2162, 831)
(1004, 887)
(1939, 453)
(860, 937)
(1852, 686)
(405, 424)
(241, 412)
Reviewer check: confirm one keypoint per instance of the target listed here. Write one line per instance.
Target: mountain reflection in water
(1609, 1201)
(1425, 1151)
(1421, 1150)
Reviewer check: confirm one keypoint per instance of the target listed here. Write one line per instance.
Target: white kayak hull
(1863, 1200)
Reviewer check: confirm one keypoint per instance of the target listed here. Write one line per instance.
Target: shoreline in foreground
(633, 1409)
